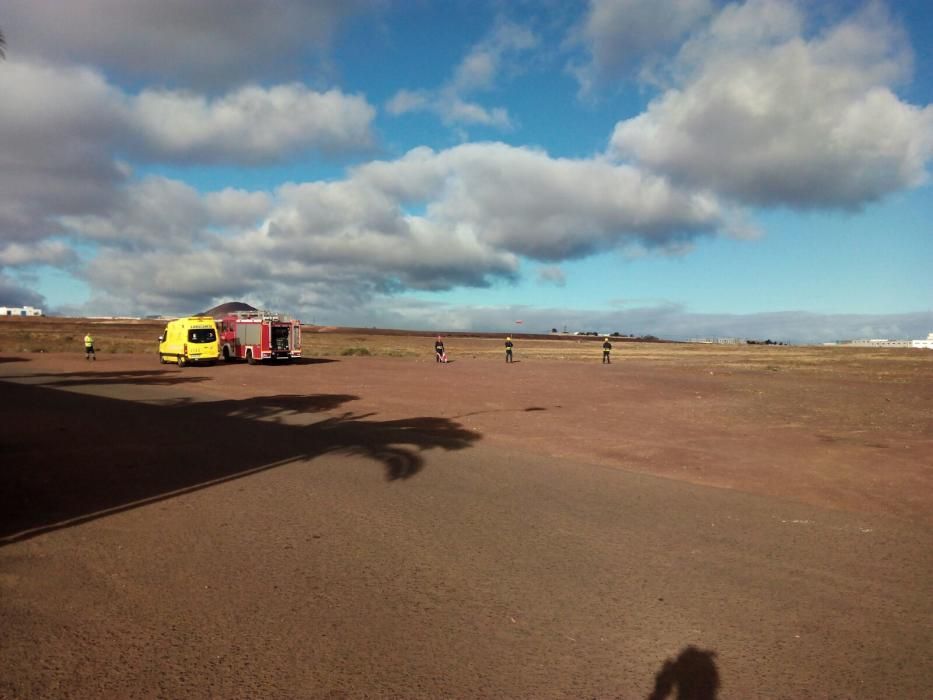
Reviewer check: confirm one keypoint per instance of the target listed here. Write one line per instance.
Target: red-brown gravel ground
(379, 526)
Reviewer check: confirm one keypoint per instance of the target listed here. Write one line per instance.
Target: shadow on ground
(691, 676)
(233, 362)
(67, 458)
(162, 377)
(312, 361)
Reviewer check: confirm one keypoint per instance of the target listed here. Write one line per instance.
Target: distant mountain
(229, 307)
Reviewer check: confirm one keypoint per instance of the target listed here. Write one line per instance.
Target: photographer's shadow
(691, 676)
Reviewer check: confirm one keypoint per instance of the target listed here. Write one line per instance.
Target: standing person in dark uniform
(440, 355)
(508, 349)
(607, 346)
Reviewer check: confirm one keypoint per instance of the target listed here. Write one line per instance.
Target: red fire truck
(255, 336)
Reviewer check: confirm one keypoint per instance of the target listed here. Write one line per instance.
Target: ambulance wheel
(161, 359)
(249, 357)
(181, 360)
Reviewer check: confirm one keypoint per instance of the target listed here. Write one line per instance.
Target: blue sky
(675, 167)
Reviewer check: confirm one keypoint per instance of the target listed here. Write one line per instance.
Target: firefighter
(89, 348)
(508, 349)
(607, 346)
(440, 355)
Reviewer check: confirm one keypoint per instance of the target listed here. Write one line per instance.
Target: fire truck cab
(255, 336)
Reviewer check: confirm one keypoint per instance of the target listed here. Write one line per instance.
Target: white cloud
(453, 110)
(751, 25)
(482, 66)
(516, 200)
(482, 206)
(355, 225)
(163, 282)
(479, 71)
(619, 34)
(408, 101)
(236, 208)
(550, 209)
(61, 129)
(770, 118)
(57, 133)
(159, 213)
(207, 44)
(54, 253)
(250, 125)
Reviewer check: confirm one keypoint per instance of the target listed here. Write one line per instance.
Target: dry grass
(896, 365)
(67, 335)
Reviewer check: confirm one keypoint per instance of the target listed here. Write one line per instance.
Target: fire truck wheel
(226, 354)
(249, 357)
(181, 360)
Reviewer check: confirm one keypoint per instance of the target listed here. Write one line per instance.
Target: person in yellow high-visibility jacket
(89, 348)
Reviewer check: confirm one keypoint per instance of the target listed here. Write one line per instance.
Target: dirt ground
(731, 523)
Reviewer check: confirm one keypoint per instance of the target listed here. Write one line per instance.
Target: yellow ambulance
(192, 339)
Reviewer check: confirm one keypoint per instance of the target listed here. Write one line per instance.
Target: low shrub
(363, 352)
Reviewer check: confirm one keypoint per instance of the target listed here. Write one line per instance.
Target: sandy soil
(738, 524)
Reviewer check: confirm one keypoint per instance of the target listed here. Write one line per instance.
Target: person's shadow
(692, 676)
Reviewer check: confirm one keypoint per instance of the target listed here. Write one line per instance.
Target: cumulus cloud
(251, 125)
(153, 281)
(483, 206)
(353, 226)
(159, 213)
(186, 282)
(483, 64)
(619, 34)
(479, 71)
(768, 117)
(62, 129)
(552, 209)
(236, 208)
(55, 253)
(57, 130)
(210, 44)
(408, 101)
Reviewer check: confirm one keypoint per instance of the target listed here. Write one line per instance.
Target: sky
(678, 168)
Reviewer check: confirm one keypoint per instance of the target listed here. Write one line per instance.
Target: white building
(886, 343)
(928, 343)
(717, 341)
(20, 311)
(881, 343)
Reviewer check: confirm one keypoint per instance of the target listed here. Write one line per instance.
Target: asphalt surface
(166, 535)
